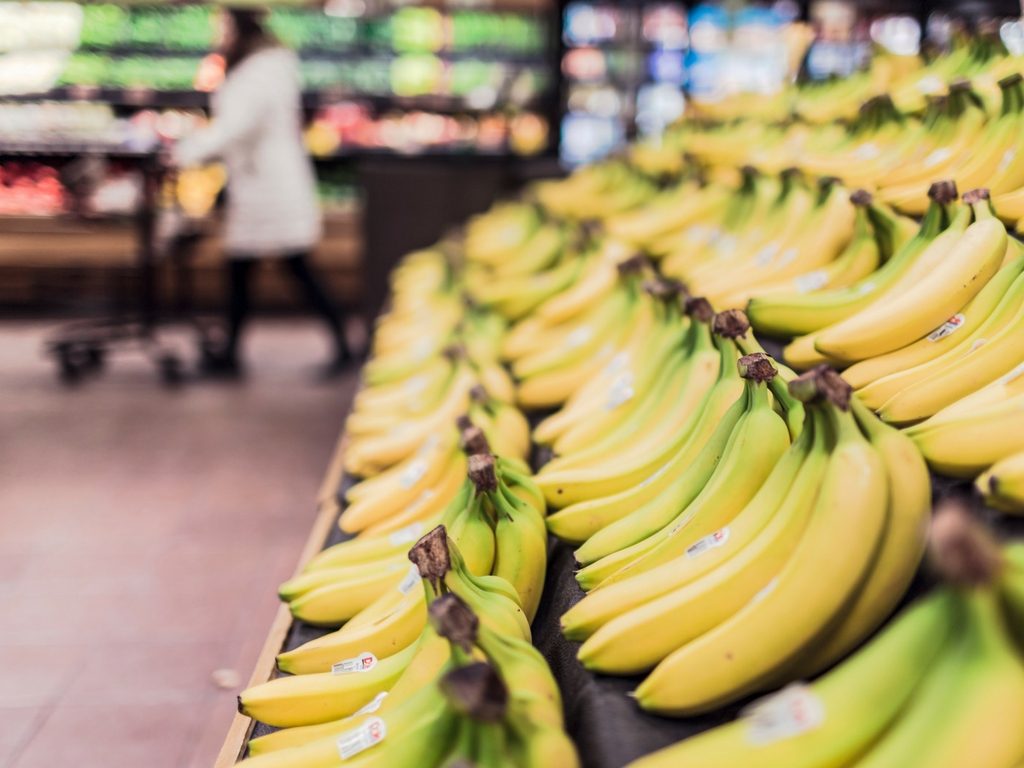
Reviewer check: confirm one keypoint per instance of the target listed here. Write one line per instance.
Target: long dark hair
(251, 35)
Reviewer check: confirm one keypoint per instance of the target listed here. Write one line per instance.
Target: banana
(665, 531)
(497, 236)
(902, 547)
(736, 657)
(970, 435)
(633, 636)
(985, 361)
(859, 258)
(760, 524)
(877, 379)
(971, 260)
(827, 232)
(417, 733)
(577, 522)
(432, 654)
(366, 549)
(597, 281)
(521, 547)
(398, 620)
(791, 315)
(1002, 485)
(835, 719)
(955, 718)
(430, 504)
(321, 698)
(672, 412)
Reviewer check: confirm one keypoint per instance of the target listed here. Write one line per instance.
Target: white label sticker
(617, 363)
(811, 281)
(422, 349)
(406, 535)
(866, 151)
(865, 288)
(1007, 158)
(1014, 374)
(711, 541)
(620, 392)
(764, 256)
(360, 739)
(726, 246)
(936, 157)
(787, 257)
(794, 710)
(412, 578)
(413, 473)
(578, 337)
(364, 662)
(370, 707)
(415, 385)
(931, 84)
(421, 500)
(948, 328)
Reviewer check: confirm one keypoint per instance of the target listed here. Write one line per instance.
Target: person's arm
(239, 115)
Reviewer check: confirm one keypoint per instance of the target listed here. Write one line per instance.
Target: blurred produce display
(388, 61)
(31, 189)
(742, 524)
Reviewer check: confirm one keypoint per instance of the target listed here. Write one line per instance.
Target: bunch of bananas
(977, 431)
(941, 278)
(891, 153)
(496, 516)
(469, 686)
(434, 359)
(942, 686)
(781, 237)
(712, 607)
(496, 512)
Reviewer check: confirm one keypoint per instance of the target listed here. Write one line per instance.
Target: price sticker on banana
(360, 739)
(792, 711)
(948, 328)
(364, 662)
(411, 579)
(711, 541)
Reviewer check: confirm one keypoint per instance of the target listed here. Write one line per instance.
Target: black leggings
(239, 280)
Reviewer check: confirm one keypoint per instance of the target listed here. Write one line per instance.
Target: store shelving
(441, 59)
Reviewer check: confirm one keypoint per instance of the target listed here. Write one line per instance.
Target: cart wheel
(170, 370)
(69, 371)
(95, 357)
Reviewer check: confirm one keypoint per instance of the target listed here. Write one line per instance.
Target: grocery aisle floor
(143, 533)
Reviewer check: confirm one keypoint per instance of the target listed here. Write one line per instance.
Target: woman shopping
(272, 208)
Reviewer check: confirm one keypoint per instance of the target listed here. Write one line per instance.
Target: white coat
(256, 130)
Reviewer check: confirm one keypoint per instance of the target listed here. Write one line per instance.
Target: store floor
(143, 533)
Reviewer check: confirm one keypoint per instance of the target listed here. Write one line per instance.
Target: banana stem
(964, 552)
(453, 620)
(477, 690)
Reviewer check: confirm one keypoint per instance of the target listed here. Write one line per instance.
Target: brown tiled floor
(142, 535)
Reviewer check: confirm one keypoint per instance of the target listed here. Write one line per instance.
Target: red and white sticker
(711, 541)
(360, 739)
(411, 580)
(948, 328)
(794, 710)
(364, 662)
